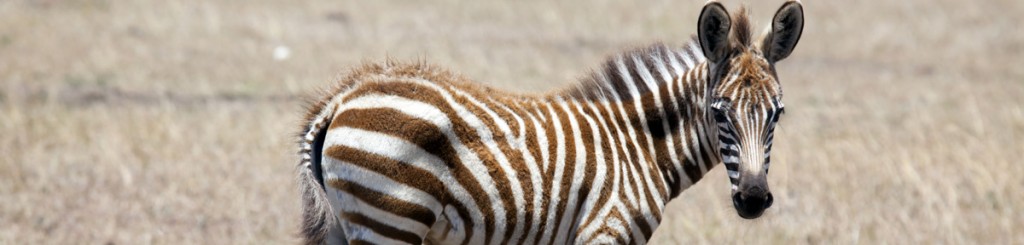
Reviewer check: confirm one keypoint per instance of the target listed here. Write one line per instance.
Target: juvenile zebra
(408, 153)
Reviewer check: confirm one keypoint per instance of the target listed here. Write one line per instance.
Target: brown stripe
(664, 120)
(607, 146)
(540, 111)
(637, 217)
(628, 179)
(388, 167)
(630, 149)
(502, 108)
(674, 120)
(587, 133)
(385, 202)
(690, 164)
(548, 174)
(637, 155)
(605, 230)
(685, 116)
(532, 144)
(534, 149)
(708, 163)
(392, 122)
(460, 171)
(381, 228)
(500, 177)
(569, 166)
(519, 163)
(691, 118)
(648, 161)
(637, 183)
(616, 214)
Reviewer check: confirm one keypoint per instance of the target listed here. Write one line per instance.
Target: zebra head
(745, 98)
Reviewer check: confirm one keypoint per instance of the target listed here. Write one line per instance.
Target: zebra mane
(613, 80)
(741, 30)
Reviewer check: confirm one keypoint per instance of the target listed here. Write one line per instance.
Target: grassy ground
(167, 122)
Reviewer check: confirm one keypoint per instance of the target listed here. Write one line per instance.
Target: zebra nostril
(756, 192)
(768, 202)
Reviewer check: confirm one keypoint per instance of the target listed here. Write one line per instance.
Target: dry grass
(168, 122)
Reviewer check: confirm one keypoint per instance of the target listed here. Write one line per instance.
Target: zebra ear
(713, 31)
(787, 26)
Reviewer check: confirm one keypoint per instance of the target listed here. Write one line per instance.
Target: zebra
(408, 153)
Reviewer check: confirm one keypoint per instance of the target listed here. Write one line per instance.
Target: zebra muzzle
(752, 202)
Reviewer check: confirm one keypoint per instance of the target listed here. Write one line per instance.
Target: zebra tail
(318, 219)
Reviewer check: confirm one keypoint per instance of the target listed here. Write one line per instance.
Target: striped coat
(410, 154)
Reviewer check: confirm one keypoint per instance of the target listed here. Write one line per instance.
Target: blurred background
(128, 122)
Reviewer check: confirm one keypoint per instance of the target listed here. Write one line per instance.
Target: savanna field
(135, 122)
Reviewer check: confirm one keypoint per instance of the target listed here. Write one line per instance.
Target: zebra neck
(696, 138)
(654, 113)
(676, 133)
